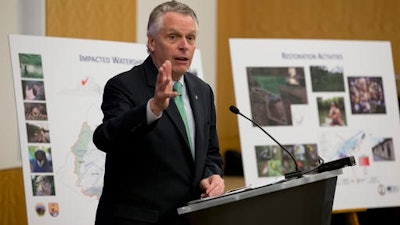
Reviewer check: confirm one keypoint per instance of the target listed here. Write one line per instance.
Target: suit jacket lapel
(151, 72)
(196, 109)
(173, 112)
(200, 142)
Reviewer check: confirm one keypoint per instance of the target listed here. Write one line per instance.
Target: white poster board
(320, 97)
(58, 86)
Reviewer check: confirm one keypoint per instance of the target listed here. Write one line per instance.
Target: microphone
(297, 173)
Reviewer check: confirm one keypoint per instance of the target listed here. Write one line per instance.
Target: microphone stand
(295, 174)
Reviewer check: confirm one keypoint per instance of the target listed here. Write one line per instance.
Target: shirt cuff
(150, 115)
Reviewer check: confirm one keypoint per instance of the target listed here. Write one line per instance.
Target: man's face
(176, 41)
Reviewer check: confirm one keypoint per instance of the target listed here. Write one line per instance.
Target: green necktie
(179, 103)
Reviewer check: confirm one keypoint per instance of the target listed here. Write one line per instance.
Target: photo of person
(331, 111)
(273, 90)
(38, 132)
(35, 111)
(42, 185)
(40, 159)
(383, 149)
(33, 90)
(366, 95)
(30, 65)
(335, 115)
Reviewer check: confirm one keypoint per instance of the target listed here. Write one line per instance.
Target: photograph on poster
(43, 185)
(366, 95)
(30, 65)
(272, 91)
(327, 79)
(54, 209)
(331, 111)
(382, 149)
(33, 90)
(40, 159)
(35, 111)
(273, 162)
(38, 132)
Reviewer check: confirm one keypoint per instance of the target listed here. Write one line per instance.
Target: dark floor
(379, 216)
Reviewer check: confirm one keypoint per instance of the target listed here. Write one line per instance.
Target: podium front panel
(303, 201)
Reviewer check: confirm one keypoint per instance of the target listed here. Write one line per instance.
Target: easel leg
(352, 218)
(350, 215)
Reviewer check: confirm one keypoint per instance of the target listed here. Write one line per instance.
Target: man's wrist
(154, 109)
(152, 114)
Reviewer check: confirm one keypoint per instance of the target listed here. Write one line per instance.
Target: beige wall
(16, 17)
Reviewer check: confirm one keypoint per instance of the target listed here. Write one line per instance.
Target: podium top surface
(249, 192)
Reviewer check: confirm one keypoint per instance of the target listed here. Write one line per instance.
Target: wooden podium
(302, 201)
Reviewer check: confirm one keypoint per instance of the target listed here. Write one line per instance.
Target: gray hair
(155, 22)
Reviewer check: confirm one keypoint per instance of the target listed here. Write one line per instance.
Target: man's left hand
(212, 186)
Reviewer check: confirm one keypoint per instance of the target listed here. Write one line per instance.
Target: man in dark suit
(154, 164)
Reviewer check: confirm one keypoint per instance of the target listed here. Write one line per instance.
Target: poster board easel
(291, 87)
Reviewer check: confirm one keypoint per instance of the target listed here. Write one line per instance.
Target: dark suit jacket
(149, 168)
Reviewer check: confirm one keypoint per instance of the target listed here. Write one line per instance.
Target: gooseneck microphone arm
(297, 172)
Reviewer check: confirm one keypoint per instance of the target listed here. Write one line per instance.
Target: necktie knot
(178, 87)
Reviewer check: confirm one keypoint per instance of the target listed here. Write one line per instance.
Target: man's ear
(150, 43)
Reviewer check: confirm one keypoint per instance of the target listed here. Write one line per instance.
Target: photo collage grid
(38, 134)
(273, 91)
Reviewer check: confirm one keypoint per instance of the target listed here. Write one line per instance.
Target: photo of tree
(30, 65)
(327, 79)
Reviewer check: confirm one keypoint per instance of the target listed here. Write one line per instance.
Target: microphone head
(234, 109)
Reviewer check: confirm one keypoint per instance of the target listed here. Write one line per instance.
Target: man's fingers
(213, 186)
(165, 70)
(164, 77)
(216, 188)
(163, 89)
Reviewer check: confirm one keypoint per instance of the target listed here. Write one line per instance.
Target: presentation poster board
(320, 98)
(58, 86)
